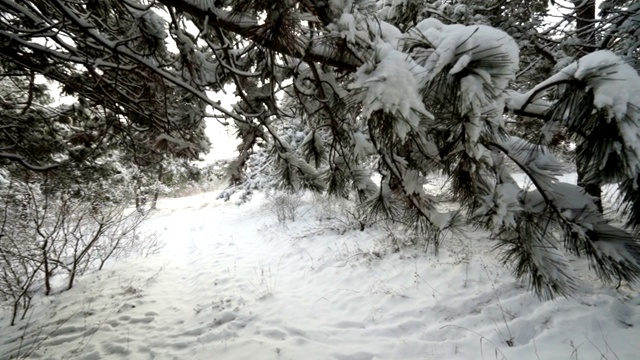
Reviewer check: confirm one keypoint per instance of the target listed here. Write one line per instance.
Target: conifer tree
(330, 92)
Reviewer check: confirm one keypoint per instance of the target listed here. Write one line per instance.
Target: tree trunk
(45, 262)
(156, 194)
(585, 11)
(140, 197)
(585, 24)
(72, 276)
(592, 189)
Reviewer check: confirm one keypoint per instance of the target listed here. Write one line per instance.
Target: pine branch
(20, 160)
(249, 29)
(533, 252)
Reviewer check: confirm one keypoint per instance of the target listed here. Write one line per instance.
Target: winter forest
(413, 179)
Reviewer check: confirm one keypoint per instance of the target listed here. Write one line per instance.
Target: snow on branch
(458, 47)
(539, 164)
(614, 83)
(550, 208)
(597, 93)
(393, 85)
(297, 174)
(467, 70)
(358, 27)
(248, 27)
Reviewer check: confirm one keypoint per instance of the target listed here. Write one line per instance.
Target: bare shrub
(342, 215)
(45, 234)
(285, 205)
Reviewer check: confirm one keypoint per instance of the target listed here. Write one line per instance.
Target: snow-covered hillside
(234, 283)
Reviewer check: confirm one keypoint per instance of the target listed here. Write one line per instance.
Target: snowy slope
(233, 283)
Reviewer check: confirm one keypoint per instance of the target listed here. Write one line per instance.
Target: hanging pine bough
(459, 74)
(334, 94)
(432, 99)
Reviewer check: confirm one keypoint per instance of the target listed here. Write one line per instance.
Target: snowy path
(232, 283)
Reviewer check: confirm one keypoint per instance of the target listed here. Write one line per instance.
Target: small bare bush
(44, 234)
(285, 205)
(342, 215)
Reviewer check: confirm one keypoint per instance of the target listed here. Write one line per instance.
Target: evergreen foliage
(333, 94)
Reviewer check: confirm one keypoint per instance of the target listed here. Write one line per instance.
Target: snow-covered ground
(234, 283)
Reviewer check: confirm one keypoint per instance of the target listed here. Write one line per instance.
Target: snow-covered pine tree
(125, 125)
(331, 91)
